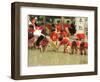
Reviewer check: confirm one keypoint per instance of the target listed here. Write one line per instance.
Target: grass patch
(37, 58)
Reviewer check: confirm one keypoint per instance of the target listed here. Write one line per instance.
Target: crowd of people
(73, 42)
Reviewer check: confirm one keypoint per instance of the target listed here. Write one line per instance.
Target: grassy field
(37, 58)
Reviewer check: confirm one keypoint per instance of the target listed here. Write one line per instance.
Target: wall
(5, 40)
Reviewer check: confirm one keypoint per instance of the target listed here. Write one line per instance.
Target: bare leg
(41, 49)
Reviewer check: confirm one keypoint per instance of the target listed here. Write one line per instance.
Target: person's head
(68, 22)
(53, 25)
(33, 20)
(58, 21)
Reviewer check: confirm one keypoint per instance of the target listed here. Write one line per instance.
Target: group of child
(57, 38)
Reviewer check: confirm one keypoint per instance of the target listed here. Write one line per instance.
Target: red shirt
(64, 34)
(85, 44)
(78, 43)
(30, 30)
(80, 36)
(59, 27)
(54, 36)
(44, 42)
(67, 25)
(64, 41)
(69, 43)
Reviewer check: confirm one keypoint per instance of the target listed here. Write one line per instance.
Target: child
(72, 29)
(74, 47)
(33, 20)
(58, 26)
(65, 42)
(63, 33)
(78, 42)
(80, 30)
(54, 38)
(80, 36)
(69, 44)
(30, 36)
(38, 34)
(81, 26)
(44, 44)
(86, 47)
(31, 42)
(83, 47)
(67, 26)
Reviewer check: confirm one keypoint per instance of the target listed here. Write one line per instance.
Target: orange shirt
(30, 30)
(69, 43)
(54, 36)
(85, 44)
(67, 25)
(44, 42)
(64, 41)
(80, 36)
(59, 27)
(78, 43)
(64, 34)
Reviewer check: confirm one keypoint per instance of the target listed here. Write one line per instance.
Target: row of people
(56, 40)
(37, 37)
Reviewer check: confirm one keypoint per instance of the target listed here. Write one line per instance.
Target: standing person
(31, 32)
(65, 42)
(74, 47)
(67, 26)
(83, 47)
(54, 37)
(36, 26)
(63, 33)
(72, 29)
(40, 38)
(30, 36)
(58, 26)
(43, 44)
(86, 47)
(80, 28)
(78, 42)
(38, 29)
(33, 20)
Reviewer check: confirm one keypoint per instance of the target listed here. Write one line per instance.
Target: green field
(37, 58)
